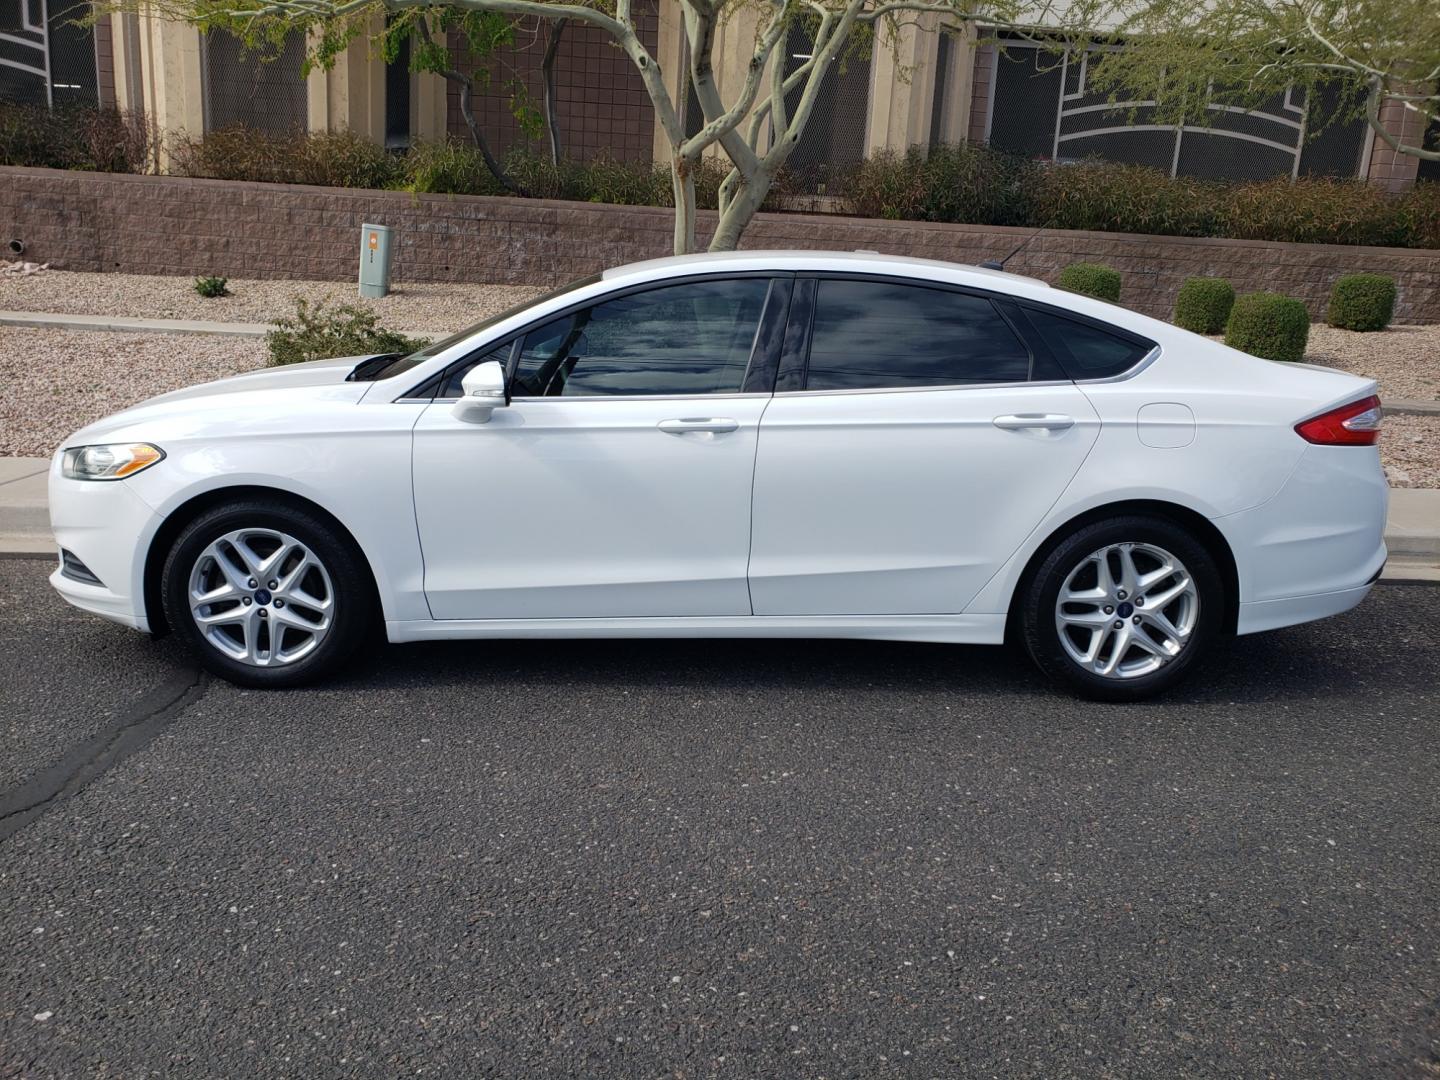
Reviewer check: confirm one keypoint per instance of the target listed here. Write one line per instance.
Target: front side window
(870, 335)
(692, 338)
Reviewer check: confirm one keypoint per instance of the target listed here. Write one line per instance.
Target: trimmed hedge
(1269, 325)
(1204, 304)
(1091, 279)
(1362, 302)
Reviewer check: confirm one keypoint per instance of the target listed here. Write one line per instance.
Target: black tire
(1038, 595)
(353, 595)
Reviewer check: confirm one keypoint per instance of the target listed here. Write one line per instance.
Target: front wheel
(1123, 609)
(266, 594)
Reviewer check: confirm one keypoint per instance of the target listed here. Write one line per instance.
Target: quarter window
(875, 335)
(693, 338)
(1086, 351)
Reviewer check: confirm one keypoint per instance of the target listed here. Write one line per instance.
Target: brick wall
(1389, 168)
(171, 225)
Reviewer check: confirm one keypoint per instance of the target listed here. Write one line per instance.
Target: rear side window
(869, 335)
(1084, 350)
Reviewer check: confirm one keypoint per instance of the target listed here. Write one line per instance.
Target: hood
(312, 373)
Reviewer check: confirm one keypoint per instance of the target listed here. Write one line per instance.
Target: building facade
(931, 88)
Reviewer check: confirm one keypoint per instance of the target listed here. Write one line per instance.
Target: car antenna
(999, 264)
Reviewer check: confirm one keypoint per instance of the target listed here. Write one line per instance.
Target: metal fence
(1043, 107)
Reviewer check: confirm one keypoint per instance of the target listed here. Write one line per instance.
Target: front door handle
(709, 423)
(1044, 421)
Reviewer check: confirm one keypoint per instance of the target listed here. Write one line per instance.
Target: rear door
(913, 443)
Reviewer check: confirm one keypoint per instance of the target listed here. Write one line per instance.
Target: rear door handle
(709, 423)
(1044, 421)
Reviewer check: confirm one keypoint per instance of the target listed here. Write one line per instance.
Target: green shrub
(73, 137)
(1268, 325)
(319, 334)
(949, 183)
(324, 158)
(1091, 279)
(1106, 196)
(1362, 302)
(211, 287)
(1204, 304)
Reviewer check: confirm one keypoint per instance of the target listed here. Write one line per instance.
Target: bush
(317, 334)
(324, 158)
(211, 287)
(1362, 302)
(1091, 279)
(1269, 325)
(950, 183)
(1204, 304)
(1108, 197)
(73, 137)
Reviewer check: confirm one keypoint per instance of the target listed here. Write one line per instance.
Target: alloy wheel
(1126, 610)
(261, 597)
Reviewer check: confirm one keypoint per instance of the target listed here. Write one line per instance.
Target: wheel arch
(1192, 521)
(193, 507)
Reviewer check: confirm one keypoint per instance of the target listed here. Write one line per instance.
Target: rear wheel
(266, 594)
(1123, 609)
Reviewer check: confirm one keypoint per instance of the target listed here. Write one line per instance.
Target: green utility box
(374, 260)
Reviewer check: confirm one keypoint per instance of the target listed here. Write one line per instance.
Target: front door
(911, 457)
(617, 483)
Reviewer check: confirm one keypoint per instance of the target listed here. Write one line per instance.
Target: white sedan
(764, 444)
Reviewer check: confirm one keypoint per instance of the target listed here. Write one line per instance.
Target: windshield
(401, 364)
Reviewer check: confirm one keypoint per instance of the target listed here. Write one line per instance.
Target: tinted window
(682, 339)
(1086, 351)
(870, 335)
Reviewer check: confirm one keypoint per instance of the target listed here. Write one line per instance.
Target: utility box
(374, 260)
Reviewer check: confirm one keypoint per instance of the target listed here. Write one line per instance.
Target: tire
(1158, 647)
(319, 610)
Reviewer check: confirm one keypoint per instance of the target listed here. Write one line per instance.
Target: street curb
(1404, 407)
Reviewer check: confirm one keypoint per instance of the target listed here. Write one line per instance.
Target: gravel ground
(1405, 360)
(58, 380)
(434, 308)
(1410, 449)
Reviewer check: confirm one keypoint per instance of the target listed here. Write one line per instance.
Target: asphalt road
(720, 859)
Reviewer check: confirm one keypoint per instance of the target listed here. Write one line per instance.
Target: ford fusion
(774, 444)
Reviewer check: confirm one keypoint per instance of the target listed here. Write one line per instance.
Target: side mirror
(484, 391)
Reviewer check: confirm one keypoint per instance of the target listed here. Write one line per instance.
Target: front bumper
(108, 527)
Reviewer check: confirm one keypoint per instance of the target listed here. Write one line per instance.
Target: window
(1086, 351)
(870, 335)
(694, 338)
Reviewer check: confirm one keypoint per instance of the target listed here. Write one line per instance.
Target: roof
(871, 261)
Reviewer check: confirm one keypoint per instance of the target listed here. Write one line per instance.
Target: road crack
(129, 733)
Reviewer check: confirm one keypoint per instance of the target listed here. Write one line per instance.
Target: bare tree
(754, 127)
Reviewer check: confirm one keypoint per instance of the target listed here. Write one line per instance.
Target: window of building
(870, 335)
(261, 90)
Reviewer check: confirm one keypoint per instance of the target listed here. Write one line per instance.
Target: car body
(756, 444)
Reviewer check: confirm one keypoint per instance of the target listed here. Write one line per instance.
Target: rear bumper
(1273, 614)
(1316, 548)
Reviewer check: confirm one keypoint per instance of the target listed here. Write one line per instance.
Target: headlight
(112, 461)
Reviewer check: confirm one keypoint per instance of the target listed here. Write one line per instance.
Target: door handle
(1044, 421)
(709, 423)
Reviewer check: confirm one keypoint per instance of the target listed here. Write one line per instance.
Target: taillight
(1355, 424)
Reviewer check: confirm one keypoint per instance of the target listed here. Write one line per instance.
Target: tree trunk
(682, 182)
(744, 202)
(547, 73)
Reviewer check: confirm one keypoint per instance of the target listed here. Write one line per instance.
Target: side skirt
(949, 629)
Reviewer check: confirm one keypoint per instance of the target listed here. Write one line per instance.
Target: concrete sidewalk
(1412, 533)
